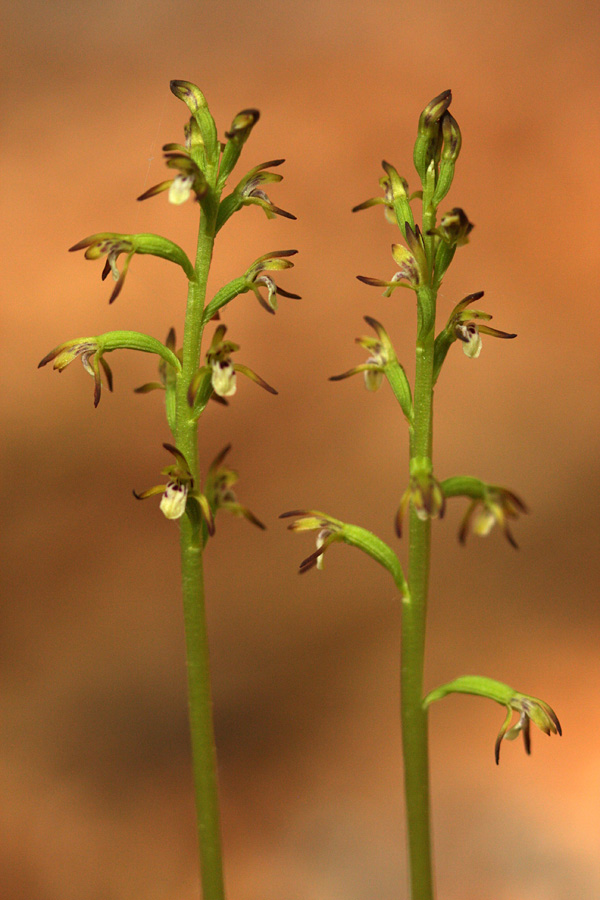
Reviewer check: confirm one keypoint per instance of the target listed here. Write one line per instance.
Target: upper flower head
(530, 709)
(91, 357)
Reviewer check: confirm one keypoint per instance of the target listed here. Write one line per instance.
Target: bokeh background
(95, 769)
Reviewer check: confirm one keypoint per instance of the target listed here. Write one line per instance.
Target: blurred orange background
(95, 766)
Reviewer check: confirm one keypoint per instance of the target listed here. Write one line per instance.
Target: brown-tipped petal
(282, 212)
(466, 522)
(178, 456)
(157, 189)
(363, 367)
(501, 734)
(368, 203)
(218, 399)
(151, 492)
(208, 514)
(148, 387)
(49, 357)
(526, 730)
(244, 370)
(295, 512)
(375, 282)
(283, 293)
(493, 332)
(471, 298)
(219, 459)
(171, 340)
(509, 536)
(108, 373)
(311, 561)
(245, 513)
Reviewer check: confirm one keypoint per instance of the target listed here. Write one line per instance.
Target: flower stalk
(202, 167)
(422, 264)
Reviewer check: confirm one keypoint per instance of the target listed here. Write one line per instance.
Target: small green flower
(424, 493)
(189, 179)
(218, 490)
(454, 228)
(88, 349)
(381, 353)
(466, 326)
(412, 263)
(222, 370)
(249, 192)
(329, 531)
(256, 280)
(178, 493)
(495, 507)
(530, 709)
(111, 246)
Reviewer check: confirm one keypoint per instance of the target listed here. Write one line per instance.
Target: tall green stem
(414, 717)
(198, 664)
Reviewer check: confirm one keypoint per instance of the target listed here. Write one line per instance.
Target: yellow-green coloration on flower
(112, 244)
(466, 326)
(381, 352)
(88, 349)
(530, 709)
(490, 505)
(189, 179)
(424, 493)
(218, 490)
(276, 261)
(222, 370)
(178, 493)
(412, 263)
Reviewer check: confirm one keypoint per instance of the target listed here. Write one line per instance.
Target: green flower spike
(424, 492)
(218, 490)
(465, 325)
(530, 709)
(331, 530)
(490, 505)
(88, 349)
(178, 494)
(111, 245)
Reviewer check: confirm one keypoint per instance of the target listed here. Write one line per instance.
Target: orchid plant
(422, 261)
(202, 167)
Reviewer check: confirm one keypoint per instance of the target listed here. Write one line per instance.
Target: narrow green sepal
(399, 196)
(451, 148)
(195, 101)
(399, 383)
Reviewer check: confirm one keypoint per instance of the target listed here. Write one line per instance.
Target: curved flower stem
(414, 610)
(198, 665)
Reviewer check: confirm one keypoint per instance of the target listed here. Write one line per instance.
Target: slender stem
(204, 759)
(414, 717)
